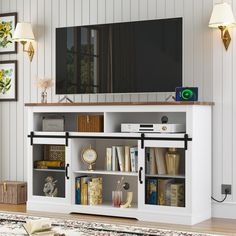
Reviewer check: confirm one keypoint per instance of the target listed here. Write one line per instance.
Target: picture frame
(8, 80)
(8, 23)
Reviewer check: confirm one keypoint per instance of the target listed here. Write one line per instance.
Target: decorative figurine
(129, 199)
(50, 189)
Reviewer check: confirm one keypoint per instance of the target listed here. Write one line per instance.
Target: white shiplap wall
(206, 65)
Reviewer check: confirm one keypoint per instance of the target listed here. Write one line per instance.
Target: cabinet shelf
(167, 176)
(104, 172)
(49, 170)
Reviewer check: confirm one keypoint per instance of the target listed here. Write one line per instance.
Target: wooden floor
(214, 225)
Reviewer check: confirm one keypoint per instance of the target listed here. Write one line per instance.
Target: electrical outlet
(225, 187)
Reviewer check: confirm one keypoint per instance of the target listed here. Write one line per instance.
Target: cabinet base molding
(142, 215)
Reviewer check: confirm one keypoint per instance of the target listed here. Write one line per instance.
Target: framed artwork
(8, 80)
(8, 23)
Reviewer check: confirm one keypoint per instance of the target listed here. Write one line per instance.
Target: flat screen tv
(143, 56)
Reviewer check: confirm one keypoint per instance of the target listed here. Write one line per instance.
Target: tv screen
(143, 56)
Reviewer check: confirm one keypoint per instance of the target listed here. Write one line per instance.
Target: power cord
(220, 201)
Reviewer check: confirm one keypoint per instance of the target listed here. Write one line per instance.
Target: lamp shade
(222, 15)
(23, 32)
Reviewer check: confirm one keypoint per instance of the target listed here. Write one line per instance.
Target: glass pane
(49, 170)
(165, 176)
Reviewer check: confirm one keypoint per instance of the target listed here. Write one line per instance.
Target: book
(163, 191)
(177, 195)
(153, 166)
(109, 159)
(127, 159)
(160, 160)
(136, 159)
(152, 191)
(84, 190)
(133, 159)
(114, 159)
(121, 157)
(95, 191)
(77, 190)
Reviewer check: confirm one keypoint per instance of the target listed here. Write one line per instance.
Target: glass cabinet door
(163, 169)
(50, 177)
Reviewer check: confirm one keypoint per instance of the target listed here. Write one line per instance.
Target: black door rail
(142, 137)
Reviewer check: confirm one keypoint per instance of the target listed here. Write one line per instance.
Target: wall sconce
(222, 17)
(23, 34)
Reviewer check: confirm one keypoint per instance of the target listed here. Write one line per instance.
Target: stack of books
(155, 161)
(88, 190)
(122, 158)
(49, 165)
(164, 192)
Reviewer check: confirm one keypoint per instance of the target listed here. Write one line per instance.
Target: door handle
(67, 176)
(140, 175)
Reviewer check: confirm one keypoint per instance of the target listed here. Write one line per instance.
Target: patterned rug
(11, 224)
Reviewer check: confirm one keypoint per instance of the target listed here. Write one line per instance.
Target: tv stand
(194, 147)
(65, 98)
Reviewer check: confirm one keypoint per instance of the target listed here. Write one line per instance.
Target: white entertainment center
(194, 146)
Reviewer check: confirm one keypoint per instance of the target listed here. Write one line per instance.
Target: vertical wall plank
(198, 43)
(48, 44)
(55, 23)
(179, 7)
(41, 43)
(102, 11)
(12, 120)
(152, 9)
(126, 10)
(85, 10)
(234, 108)
(93, 12)
(5, 135)
(34, 63)
(70, 13)
(227, 112)
(118, 10)
(217, 113)
(20, 103)
(134, 10)
(143, 9)
(170, 8)
(207, 89)
(188, 43)
(26, 87)
(109, 11)
(78, 12)
(161, 8)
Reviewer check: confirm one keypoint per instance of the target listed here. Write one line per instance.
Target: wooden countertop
(122, 103)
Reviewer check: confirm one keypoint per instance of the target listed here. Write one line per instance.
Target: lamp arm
(222, 29)
(30, 49)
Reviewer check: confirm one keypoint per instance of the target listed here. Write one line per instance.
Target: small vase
(172, 161)
(44, 97)
(116, 198)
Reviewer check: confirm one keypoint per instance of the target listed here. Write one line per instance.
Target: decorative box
(13, 192)
(54, 153)
(53, 124)
(90, 123)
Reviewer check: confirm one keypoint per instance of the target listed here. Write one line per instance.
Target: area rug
(11, 224)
